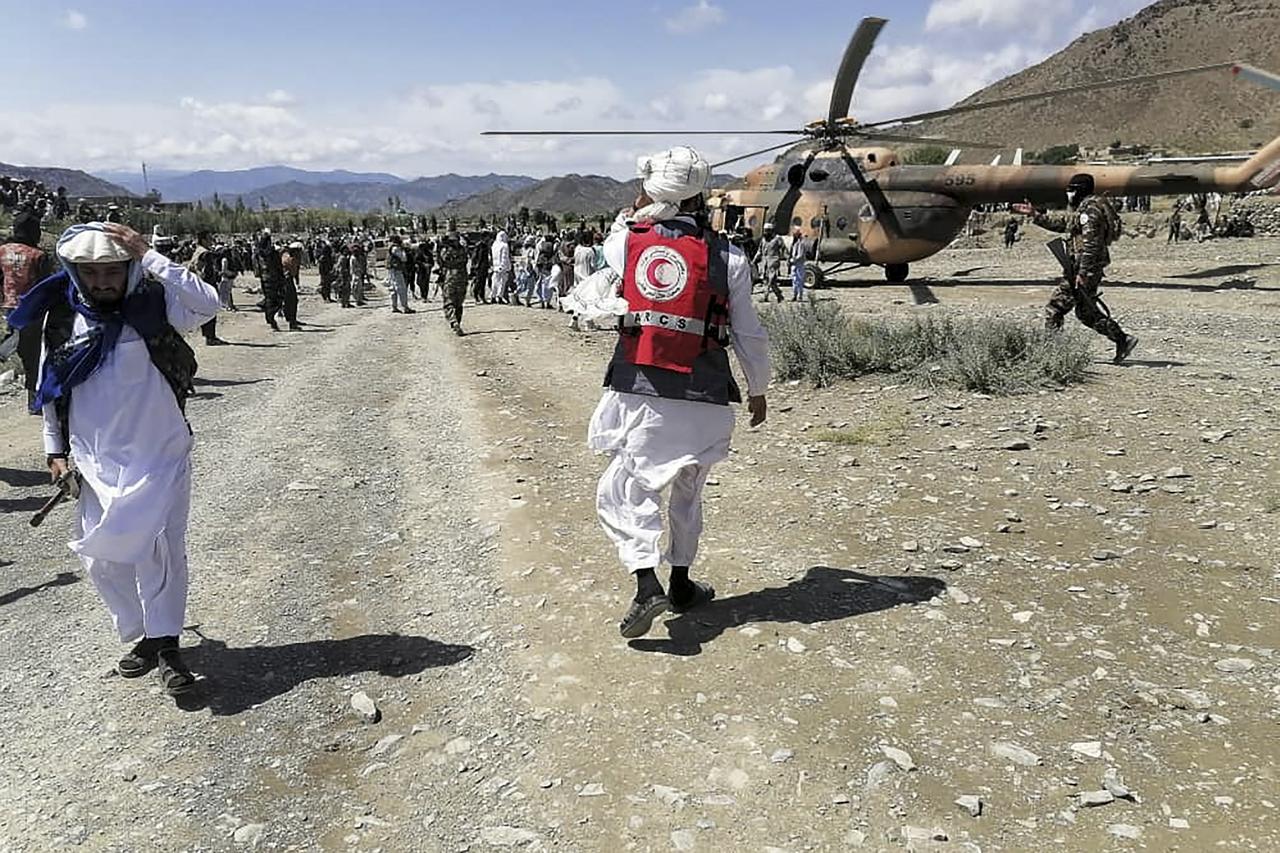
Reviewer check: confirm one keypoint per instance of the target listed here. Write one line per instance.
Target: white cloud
(1032, 15)
(74, 20)
(697, 17)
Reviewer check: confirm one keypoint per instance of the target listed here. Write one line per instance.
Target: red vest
(20, 264)
(675, 312)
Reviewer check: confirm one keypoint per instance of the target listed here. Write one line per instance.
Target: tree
(926, 155)
(1057, 155)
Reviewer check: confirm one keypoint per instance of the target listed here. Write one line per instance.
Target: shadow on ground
(30, 504)
(61, 579)
(225, 383)
(495, 332)
(1223, 271)
(21, 479)
(235, 680)
(824, 594)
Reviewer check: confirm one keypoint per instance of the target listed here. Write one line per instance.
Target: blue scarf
(66, 367)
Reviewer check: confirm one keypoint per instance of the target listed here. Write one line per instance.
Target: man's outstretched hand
(758, 408)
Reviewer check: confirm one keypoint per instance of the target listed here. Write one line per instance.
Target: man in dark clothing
(22, 265)
(61, 206)
(206, 263)
(1010, 233)
(452, 254)
(425, 259)
(270, 272)
(1092, 224)
(325, 262)
(479, 269)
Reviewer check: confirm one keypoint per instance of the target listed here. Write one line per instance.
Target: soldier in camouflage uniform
(451, 254)
(1092, 225)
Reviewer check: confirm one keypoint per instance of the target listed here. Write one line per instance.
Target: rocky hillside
(78, 183)
(1208, 112)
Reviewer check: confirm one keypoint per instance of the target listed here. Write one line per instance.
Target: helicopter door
(732, 216)
(753, 215)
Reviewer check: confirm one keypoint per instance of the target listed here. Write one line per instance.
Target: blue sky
(406, 87)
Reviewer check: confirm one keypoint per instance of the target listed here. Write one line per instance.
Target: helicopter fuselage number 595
(959, 181)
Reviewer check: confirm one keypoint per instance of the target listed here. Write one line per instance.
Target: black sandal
(175, 678)
(140, 660)
(702, 594)
(640, 616)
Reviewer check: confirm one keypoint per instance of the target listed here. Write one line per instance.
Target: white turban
(674, 175)
(91, 246)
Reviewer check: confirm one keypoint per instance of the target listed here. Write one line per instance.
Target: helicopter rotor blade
(787, 204)
(873, 136)
(1069, 90)
(855, 55)
(875, 196)
(787, 144)
(641, 132)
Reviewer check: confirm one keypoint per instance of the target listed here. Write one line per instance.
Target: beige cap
(92, 247)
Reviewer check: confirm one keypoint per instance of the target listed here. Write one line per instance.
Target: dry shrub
(820, 343)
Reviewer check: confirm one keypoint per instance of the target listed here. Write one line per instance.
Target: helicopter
(863, 206)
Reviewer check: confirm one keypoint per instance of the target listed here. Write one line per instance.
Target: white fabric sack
(596, 297)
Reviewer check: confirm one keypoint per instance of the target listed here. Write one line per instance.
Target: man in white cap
(665, 416)
(112, 399)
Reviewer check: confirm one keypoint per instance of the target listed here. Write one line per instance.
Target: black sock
(681, 586)
(647, 585)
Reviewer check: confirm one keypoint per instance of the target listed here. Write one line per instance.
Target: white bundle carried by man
(668, 178)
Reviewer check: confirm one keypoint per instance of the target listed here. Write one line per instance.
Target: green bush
(820, 343)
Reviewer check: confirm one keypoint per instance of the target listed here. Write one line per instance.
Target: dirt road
(1079, 636)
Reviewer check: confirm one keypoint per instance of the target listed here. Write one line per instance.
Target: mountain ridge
(1212, 111)
(78, 183)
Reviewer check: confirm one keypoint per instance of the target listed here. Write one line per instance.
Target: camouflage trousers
(1088, 308)
(455, 291)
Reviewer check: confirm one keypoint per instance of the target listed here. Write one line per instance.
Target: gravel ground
(1076, 640)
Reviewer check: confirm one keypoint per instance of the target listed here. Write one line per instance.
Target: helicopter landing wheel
(897, 273)
(814, 277)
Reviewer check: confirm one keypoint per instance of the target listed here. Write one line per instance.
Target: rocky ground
(924, 638)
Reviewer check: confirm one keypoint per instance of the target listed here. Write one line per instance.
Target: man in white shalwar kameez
(500, 266)
(665, 417)
(110, 400)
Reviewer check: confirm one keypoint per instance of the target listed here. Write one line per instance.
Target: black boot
(1124, 348)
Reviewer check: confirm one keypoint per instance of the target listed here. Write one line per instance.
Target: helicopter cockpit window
(815, 222)
(819, 174)
(871, 158)
(795, 175)
(797, 221)
(867, 213)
